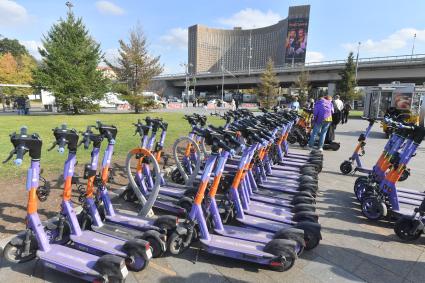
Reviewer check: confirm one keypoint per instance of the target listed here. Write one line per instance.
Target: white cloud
(395, 41)
(251, 18)
(12, 14)
(109, 8)
(176, 37)
(32, 47)
(314, 56)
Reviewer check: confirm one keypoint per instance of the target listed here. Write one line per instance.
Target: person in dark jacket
(345, 113)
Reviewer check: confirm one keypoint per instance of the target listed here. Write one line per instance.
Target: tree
(346, 86)
(303, 85)
(268, 86)
(16, 71)
(69, 66)
(12, 46)
(136, 68)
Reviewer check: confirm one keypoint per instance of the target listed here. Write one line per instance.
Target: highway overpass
(371, 71)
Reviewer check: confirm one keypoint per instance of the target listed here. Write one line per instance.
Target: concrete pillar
(331, 89)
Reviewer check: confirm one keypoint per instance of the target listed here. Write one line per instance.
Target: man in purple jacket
(322, 118)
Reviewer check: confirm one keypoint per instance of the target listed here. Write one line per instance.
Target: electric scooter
(136, 252)
(98, 213)
(277, 254)
(384, 196)
(34, 240)
(346, 167)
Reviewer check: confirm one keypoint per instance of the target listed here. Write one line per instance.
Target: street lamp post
(222, 82)
(413, 45)
(357, 59)
(243, 55)
(250, 52)
(186, 71)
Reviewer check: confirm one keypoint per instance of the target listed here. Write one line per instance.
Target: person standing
(295, 105)
(322, 118)
(27, 106)
(233, 104)
(345, 113)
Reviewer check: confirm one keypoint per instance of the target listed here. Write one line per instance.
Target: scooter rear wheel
(403, 229)
(176, 244)
(137, 264)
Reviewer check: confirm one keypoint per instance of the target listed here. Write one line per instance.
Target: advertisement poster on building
(296, 41)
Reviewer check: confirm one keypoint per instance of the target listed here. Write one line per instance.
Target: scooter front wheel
(14, 253)
(373, 208)
(405, 229)
(346, 167)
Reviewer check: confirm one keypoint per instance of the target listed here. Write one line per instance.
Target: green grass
(356, 113)
(52, 162)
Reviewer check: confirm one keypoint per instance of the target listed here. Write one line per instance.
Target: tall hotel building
(241, 50)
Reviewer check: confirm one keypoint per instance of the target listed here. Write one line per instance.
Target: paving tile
(327, 272)
(371, 272)
(417, 270)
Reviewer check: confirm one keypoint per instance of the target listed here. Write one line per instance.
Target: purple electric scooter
(34, 241)
(136, 252)
(278, 254)
(98, 213)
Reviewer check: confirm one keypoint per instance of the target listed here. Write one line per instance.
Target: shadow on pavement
(200, 277)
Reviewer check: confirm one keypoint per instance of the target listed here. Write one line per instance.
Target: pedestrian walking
(345, 113)
(322, 118)
(233, 104)
(295, 105)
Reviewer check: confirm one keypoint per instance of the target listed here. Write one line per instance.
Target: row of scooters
(378, 192)
(240, 193)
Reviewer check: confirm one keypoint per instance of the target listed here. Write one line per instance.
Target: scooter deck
(277, 200)
(128, 220)
(118, 231)
(99, 242)
(262, 223)
(279, 180)
(278, 215)
(270, 206)
(245, 233)
(279, 187)
(283, 174)
(279, 195)
(71, 259)
(408, 201)
(236, 248)
(411, 192)
(410, 196)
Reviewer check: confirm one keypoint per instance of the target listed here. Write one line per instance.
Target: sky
(384, 27)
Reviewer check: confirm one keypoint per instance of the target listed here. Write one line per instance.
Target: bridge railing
(400, 59)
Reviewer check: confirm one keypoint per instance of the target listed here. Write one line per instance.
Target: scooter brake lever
(53, 146)
(9, 157)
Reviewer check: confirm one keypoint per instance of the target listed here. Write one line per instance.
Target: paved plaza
(353, 249)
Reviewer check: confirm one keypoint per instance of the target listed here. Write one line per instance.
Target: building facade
(240, 50)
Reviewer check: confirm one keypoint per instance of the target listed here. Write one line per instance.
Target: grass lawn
(356, 113)
(52, 162)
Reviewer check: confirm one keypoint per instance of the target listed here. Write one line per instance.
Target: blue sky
(385, 27)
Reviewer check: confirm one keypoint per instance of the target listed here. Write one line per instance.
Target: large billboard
(296, 41)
